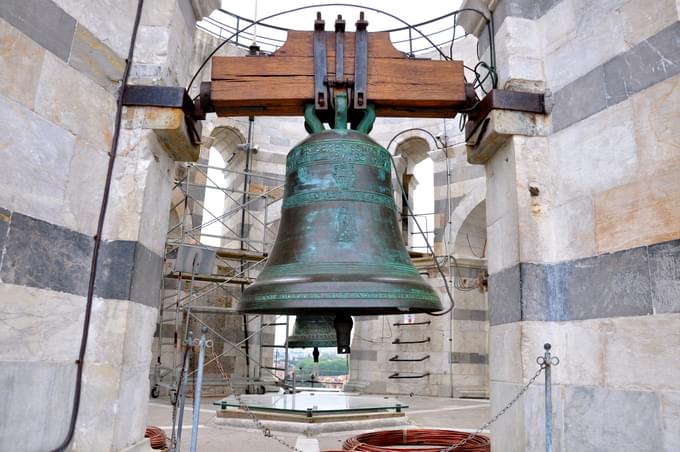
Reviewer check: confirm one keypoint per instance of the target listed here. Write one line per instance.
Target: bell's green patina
(339, 249)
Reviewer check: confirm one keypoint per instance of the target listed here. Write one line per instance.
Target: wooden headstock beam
(281, 84)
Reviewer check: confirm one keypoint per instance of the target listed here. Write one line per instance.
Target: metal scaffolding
(201, 282)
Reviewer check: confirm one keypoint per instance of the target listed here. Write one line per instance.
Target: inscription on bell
(340, 152)
(344, 176)
(346, 226)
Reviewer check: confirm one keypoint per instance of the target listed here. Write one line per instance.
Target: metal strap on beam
(499, 99)
(319, 38)
(360, 99)
(339, 49)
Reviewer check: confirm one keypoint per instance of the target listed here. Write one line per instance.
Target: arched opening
(415, 168)
(223, 187)
(214, 199)
(469, 360)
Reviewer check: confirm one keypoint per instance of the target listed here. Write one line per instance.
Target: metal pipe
(251, 121)
(197, 389)
(182, 394)
(548, 362)
(285, 358)
(448, 244)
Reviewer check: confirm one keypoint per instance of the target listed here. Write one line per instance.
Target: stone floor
(423, 412)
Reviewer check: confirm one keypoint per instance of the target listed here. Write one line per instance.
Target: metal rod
(251, 123)
(182, 394)
(285, 358)
(548, 399)
(197, 390)
(396, 358)
(399, 341)
(398, 377)
(427, 322)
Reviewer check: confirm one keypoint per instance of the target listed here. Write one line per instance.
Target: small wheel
(155, 392)
(261, 389)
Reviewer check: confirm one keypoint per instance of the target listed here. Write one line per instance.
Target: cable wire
(393, 440)
(427, 242)
(98, 236)
(301, 8)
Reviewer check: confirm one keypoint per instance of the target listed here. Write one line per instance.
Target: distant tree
(329, 365)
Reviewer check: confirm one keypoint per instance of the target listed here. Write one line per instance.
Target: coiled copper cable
(388, 440)
(156, 437)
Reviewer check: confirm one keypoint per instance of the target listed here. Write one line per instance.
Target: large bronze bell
(339, 250)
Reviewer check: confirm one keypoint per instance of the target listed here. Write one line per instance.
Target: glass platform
(311, 403)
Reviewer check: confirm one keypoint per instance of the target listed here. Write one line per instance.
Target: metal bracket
(396, 358)
(396, 375)
(203, 105)
(158, 96)
(168, 97)
(319, 38)
(399, 341)
(499, 99)
(360, 99)
(327, 86)
(339, 49)
(426, 322)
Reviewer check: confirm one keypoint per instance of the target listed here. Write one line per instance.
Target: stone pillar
(583, 214)
(61, 62)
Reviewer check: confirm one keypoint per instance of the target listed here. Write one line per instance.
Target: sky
(304, 19)
(404, 9)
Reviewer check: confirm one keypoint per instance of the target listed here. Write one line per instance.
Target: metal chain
(498, 415)
(265, 431)
(268, 434)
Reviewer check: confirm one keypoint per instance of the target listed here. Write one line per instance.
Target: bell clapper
(343, 330)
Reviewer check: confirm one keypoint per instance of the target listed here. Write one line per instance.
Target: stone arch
(414, 147)
(224, 152)
(470, 242)
(472, 199)
(225, 139)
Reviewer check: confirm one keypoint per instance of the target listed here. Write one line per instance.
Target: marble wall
(587, 259)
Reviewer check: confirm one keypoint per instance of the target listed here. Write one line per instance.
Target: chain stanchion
(266, 432)
(544, 362)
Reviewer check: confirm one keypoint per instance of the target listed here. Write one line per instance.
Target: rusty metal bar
(499, 99)
(360, 99)
(399, 341)
(397, 376)
(339, 49)
(320, 71)
(396, 358)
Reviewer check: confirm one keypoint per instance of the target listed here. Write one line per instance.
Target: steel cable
(89, 301)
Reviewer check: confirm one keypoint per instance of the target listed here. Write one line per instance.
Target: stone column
(61, 62)
(582, 212)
